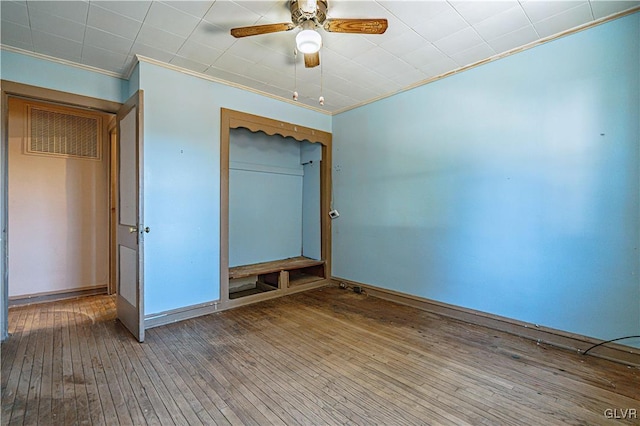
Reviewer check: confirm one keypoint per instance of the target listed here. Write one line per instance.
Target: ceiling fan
(308, 15)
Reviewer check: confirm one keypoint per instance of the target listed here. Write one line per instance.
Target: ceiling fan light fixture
(308, 41)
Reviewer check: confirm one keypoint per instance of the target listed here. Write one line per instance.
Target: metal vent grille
(65, 134)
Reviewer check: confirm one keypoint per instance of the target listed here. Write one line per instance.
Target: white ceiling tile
(12, 33)
(502, 23)
(152, 52)
(112, 22)
(170, 20)
(199, 53)
(71, 10)
(348, 45)
(277, 79)
(424, 56)
(188, 64)
(410, 77)
(278, 12)
(307, 74)
(568, 19)
(268, 8)
(515, 39)
(374, 57)
(136, 10)
(232, 63)
(537, 10)
(193, 8)
(477, 11)
(104, 40)
(101, 58)
(154, 37)
(335, 61)
(53, 45)
(415, 13)
(257, 72)
(458, 42)
(392, 68)
(55, 25)
(212, 35)
(283, 42)
(16, 12)
(282, 62)
(224, 74)
(395, 28)
(440, 67)
(229, 14)
(248, 50)
(405, 43)
(443, 25)
(356, 9)
(475, 54)
(602, 8)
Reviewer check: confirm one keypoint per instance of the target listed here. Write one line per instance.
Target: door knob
(147, 229)
(132, 229)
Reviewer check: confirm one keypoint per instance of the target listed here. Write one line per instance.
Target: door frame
(230, 119)
(12, 89)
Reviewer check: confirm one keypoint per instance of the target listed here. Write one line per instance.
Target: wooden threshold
(57, 295)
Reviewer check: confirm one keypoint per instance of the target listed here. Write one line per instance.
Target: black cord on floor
(609, 341)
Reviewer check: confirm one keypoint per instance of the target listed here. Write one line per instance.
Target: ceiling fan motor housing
(308, 10)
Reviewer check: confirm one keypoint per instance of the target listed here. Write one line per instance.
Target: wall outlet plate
(334, 214)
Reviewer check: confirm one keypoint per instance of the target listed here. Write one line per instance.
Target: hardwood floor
(326, 356)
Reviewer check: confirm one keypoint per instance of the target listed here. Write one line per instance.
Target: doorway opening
(56, 194)
(58, 201)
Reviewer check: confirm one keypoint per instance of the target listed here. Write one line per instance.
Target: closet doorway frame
(230, 119)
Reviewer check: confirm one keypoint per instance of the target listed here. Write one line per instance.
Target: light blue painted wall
(310, 157)
(182, 180)
(51, 75)
(265, 198)
(511, 188)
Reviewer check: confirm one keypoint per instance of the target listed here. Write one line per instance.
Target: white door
(129, 233)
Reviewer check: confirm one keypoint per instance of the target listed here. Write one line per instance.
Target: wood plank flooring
(322, 357)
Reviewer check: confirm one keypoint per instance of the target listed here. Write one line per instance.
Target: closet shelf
(292, 263)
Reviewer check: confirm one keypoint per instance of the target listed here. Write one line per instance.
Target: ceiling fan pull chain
(295, 74)
(321, 99)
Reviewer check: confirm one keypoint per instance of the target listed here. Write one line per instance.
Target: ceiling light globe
(308, 41)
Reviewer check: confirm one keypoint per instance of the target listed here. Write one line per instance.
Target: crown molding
(175, 68)
(59, 61)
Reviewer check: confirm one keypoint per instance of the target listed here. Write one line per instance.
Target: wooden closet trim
(230, 119)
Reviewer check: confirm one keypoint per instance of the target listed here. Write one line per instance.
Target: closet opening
(275, 199)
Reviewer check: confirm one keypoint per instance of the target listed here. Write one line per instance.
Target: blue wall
(511, 188)
(265, 198)
(310, 157)
(52, 75)
(182, 180)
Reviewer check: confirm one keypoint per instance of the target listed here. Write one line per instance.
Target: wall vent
(53, 131)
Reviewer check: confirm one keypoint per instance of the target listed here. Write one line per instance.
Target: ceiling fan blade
(261, 29)
(311, 59)
(356, 26)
